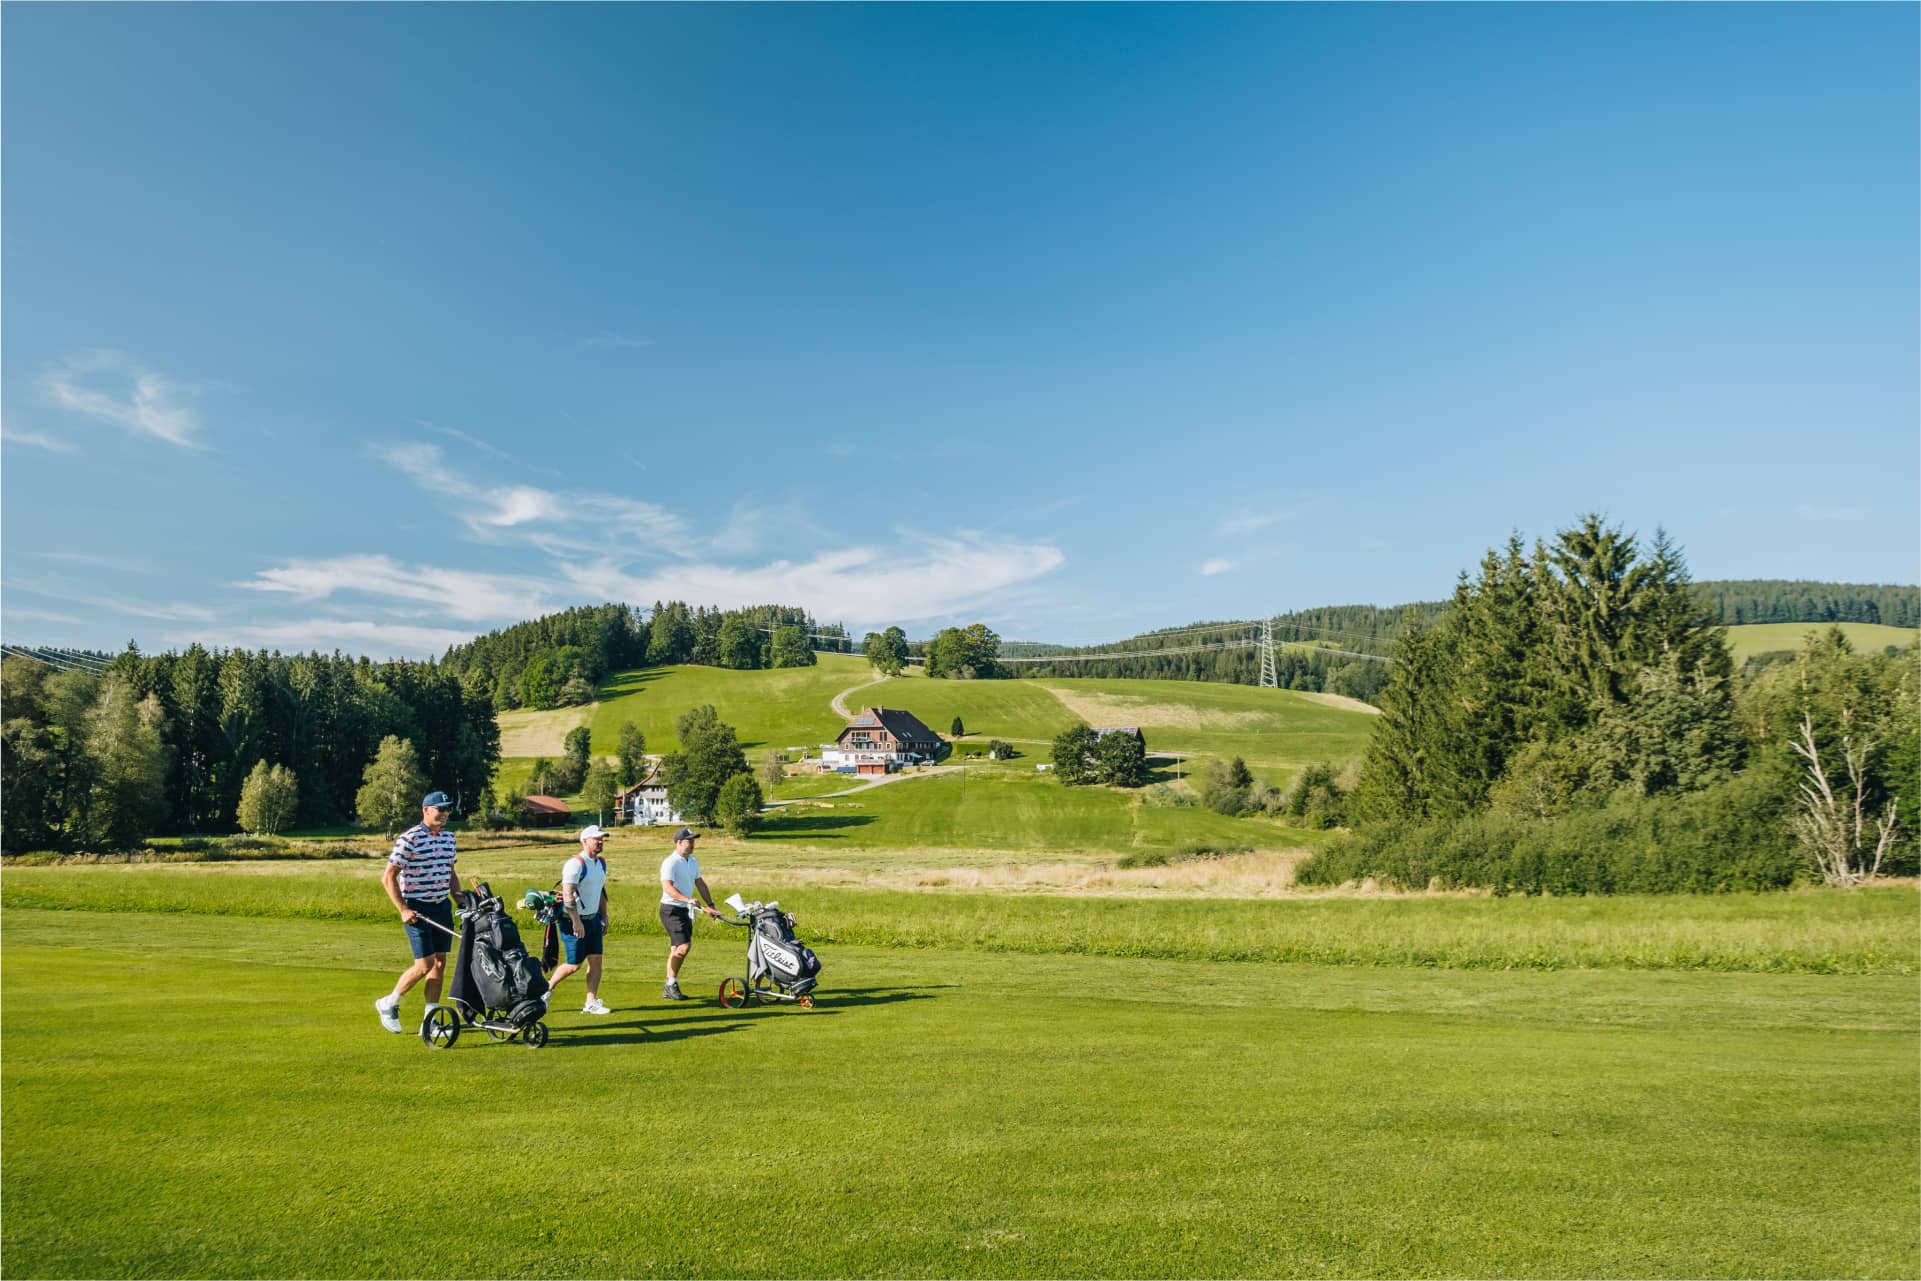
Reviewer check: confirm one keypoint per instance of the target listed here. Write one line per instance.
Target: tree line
(1573, 723)
(165, 744)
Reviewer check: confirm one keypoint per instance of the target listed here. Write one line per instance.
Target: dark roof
(902, 725)
(1105, 730)
(545, 805)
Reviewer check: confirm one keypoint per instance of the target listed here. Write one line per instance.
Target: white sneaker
(595, 1006)
(388, 1008)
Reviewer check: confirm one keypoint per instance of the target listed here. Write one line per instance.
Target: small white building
(645, 803)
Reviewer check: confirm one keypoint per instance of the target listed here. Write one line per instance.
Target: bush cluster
(1731, 836)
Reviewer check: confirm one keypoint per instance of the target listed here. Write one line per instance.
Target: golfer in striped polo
(419, 877)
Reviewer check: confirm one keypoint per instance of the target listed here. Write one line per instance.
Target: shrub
(1727, 837)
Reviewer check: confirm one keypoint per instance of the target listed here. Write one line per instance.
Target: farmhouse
(645, 803)
(544, 811)
(880, 740)
(1132, 730)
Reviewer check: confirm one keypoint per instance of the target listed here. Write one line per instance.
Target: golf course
(992, 1084)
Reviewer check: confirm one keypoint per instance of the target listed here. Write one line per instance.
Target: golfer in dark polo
(679, 880)
(419, 876)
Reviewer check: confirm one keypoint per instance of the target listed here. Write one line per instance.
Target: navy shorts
(424, 939)
(586, 945)
(679, 922)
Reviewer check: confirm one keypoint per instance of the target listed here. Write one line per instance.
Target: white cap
(591, 831)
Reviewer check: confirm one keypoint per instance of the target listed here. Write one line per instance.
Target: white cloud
(487, 512)
(458, 594)
(1218, 566)
(171, 612)
(861, 585)
(110, 386)
(41, 616)
(36, 439)
(1254, 522)
(102, 562)
(492, 451)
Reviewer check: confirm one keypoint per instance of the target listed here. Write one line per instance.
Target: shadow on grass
(644, 1031)
(831, 999)
(810, 824)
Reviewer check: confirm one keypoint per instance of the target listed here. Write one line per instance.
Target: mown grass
(200, 1096)
(1008, 806)
(1873, 931)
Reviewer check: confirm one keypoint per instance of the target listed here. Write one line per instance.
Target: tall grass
(1875, 931)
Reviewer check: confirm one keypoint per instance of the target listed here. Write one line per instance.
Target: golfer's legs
(435, 969)
(675, 956)
(593, 976)
(412, 975)
(560, 972)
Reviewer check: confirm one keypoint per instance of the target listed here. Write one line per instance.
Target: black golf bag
(774, 953)
(495, 973)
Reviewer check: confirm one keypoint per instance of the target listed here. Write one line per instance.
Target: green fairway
(207, 1095)
(1758, 638)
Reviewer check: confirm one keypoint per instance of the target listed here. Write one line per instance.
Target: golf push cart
(779, 966)
(496, 986)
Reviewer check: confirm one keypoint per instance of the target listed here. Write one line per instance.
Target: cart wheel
(733, 994)
(805, 1002)
(534, 1035)
(441, 1028)
(763, 990)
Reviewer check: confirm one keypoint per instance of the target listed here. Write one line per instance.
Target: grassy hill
(1758, 638)
(1005, 806)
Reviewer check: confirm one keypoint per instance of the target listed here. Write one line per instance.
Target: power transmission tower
(1270, 679)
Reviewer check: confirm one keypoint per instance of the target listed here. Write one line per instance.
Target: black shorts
(679, 922)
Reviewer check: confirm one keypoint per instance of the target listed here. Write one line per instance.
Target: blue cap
(436, 800)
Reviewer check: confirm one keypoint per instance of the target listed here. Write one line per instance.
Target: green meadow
(1750, 639)
(1001, 806)
(991, 1086)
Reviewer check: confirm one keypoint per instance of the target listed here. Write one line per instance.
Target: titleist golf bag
(495, 973)
(774, 953)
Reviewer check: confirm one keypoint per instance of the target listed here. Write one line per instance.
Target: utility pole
(1270, 679)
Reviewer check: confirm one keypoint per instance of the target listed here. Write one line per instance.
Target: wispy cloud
(41, 616)
(1842, 515)
(608, 339)
(463, 595)
(1218, 566)
(492, 451)
(1254, 522)
(169, 611)
(38, 440)
(490, 512)
(112, 387)
(933, 579)
(98, 562)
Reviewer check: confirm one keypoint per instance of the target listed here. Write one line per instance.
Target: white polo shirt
(682, 872)
(587, 883)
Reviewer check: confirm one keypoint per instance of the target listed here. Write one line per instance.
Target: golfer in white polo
(679, 879)
(583, 890)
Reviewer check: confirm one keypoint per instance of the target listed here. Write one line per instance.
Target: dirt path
(840, 700)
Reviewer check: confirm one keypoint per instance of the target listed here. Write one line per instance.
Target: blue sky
(378, 326)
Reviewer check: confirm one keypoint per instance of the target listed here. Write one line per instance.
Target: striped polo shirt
(426, 862)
